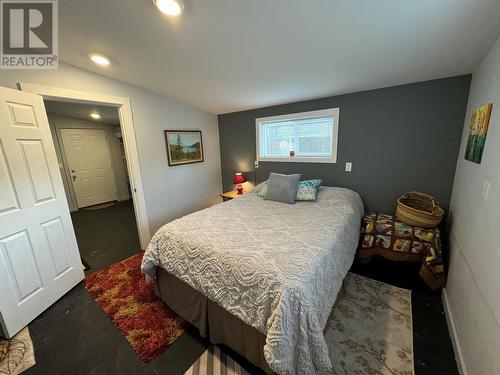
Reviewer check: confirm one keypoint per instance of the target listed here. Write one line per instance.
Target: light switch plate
(486, 190)
(256, 164)
(348, 166)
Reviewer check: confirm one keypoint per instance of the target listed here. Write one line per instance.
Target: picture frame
(478, 129)
(184, 147)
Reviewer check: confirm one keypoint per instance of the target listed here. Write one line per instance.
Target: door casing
(124, 108)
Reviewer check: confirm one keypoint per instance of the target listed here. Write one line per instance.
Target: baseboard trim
(462, 369)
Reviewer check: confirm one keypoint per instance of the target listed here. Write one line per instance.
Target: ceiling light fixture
(99, 59)
(170, 7)
(95, 115)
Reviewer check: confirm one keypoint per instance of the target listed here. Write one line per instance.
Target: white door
(91, 168)
(39, 258)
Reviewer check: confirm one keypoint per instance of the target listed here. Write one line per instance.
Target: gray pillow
(282, 187)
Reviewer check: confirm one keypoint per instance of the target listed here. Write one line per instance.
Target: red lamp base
(239, 189)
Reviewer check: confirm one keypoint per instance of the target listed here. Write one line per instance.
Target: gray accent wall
(399, 139)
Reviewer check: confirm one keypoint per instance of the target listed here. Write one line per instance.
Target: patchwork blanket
(386, 236)
(278, 267)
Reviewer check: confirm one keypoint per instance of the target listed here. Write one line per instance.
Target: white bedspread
(278, 267)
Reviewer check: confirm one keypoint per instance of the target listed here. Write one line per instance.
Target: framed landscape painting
(184, 146)
(478, 129)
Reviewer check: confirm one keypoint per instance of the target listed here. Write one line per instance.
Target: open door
(39, 258)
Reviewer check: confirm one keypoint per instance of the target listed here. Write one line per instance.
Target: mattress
(275, 266)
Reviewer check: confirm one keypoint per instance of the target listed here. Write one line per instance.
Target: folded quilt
(384, 235)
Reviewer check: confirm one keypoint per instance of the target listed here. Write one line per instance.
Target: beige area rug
(16, 354)
(99, 206)
(370, 329)
(368, 332)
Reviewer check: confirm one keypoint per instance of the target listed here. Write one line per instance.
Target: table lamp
(239, 179)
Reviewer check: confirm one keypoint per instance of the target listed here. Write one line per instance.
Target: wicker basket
(419, 209)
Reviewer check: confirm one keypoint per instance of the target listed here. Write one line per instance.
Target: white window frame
(334, 112)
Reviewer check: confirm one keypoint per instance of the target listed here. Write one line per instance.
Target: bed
(260, 276)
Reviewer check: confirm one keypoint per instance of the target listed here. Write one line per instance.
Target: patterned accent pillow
(308, 190)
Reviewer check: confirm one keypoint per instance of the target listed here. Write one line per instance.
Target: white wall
(169, 191)
(473, 287)
(57, 123)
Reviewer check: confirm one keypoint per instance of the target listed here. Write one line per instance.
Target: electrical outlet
(256, 164)
(486, 190)
(348, 166)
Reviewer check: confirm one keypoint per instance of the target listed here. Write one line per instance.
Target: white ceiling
(109, 115)
(229, 55)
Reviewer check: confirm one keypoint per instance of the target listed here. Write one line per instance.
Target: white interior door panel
(39, 258)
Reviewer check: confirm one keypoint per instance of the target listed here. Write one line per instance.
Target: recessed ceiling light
(169, 7)
(99, 59)
(95, 115)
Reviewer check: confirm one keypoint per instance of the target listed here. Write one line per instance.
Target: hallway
(106, 236)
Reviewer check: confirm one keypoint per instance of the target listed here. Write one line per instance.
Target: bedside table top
(231, 194)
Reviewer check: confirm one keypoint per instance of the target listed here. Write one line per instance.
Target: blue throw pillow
(308, 190)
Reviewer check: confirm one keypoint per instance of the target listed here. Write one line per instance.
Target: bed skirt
(213, 321)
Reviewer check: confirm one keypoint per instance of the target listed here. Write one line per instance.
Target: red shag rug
(146, 322)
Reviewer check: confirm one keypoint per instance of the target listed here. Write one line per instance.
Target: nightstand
(230, 195)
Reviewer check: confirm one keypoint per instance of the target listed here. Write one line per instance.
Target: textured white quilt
(276, 266)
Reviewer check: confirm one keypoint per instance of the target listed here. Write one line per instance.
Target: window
(299, 137)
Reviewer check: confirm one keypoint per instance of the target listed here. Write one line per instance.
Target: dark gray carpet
(74, 336)
(106, 236)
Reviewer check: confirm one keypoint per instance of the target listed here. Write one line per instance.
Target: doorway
(90, 152)
(123, 106)
(40, 260)
(93, 166)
